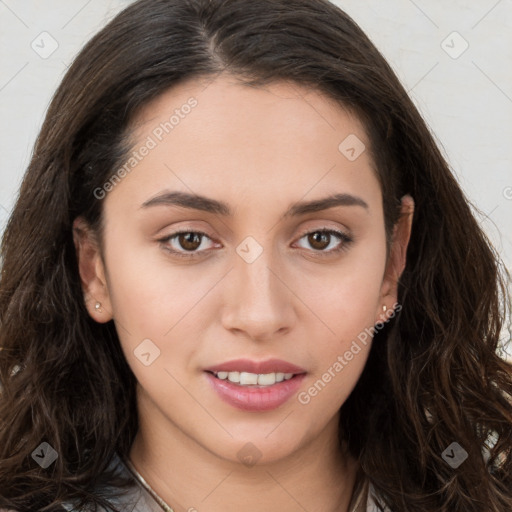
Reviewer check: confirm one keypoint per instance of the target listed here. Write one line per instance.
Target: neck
(318, 477)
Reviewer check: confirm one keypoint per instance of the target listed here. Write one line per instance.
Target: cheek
(148, 292)
(347, 311)
(345, 299)
(156, 300)
(345, 296)
(324, 394)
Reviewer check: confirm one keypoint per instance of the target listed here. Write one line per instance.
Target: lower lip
(252, 398)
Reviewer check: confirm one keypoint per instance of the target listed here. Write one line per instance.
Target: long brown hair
(433, 376)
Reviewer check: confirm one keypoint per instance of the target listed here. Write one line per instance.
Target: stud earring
(98, 306)
(384, 308)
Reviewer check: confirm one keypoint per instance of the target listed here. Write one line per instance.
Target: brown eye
(326, 241)
(187, 244)
(319, 240)
(189, 241)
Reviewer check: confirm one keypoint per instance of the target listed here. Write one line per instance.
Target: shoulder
(121, 499)
(133, 499)
(364, 496)
(371, 505)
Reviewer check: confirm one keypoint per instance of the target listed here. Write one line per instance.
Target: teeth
(234, 376)
(248, 378)
(266, 379)
(251, 379)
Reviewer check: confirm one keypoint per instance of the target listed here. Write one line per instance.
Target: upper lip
(260, 367)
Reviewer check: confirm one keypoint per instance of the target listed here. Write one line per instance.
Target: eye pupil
(319, 237)
(190, 241)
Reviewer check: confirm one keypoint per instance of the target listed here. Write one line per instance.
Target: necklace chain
(139, 477)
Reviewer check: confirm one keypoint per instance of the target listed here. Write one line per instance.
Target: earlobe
(92, 272)
(397, 258)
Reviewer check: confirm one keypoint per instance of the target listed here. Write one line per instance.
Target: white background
(467, 101)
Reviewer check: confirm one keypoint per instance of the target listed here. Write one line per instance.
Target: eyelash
(345, 239)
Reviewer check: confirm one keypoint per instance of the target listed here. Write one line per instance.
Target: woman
(241, 276)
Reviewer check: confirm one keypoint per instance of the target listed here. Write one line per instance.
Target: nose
(259, 300)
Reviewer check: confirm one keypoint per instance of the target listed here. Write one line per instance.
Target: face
(279, 268)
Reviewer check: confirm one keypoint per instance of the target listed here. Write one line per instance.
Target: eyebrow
(206, 204)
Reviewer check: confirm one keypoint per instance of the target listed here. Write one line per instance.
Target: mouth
(255, 386)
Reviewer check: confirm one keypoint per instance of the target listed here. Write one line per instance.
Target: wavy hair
(434, 374)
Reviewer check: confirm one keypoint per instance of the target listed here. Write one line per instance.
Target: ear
(92, 272)
(396, 260)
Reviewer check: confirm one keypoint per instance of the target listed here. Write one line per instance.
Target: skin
(259, 150)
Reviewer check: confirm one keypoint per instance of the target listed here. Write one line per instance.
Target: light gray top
(141, 498)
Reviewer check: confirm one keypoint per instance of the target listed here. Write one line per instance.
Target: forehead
(280, 106)
(218, 134)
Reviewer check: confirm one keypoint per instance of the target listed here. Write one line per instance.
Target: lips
(248, 395)
(258, 367)
(255, 398)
